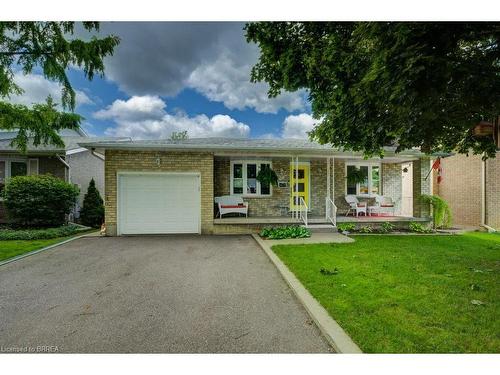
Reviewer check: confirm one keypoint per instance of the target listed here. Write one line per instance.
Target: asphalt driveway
(168, 294)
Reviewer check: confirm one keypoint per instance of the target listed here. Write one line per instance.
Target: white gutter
(96, 154)
(66, 165)
(483, 198)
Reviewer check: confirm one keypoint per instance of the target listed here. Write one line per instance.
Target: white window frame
(8, 162)
(244, 163)
(369, 165)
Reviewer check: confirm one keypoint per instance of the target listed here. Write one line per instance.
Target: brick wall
(391, 184)
(146, 161)
(461, 188)
(270, 206)
(493, 192)
(421, 186)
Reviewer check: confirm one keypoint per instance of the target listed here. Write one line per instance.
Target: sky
(175, 76)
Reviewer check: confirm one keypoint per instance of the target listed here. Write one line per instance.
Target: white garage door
(158, 203)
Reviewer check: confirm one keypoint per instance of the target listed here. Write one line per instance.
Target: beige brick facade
(215, 181)
(492, 192)
(149, 161)
(461, 187)
(270, 206)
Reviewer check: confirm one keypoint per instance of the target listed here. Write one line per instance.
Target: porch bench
(229, 204)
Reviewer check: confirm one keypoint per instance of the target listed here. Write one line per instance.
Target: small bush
(366, 229)
(418, 228)
(386, 227)
(346, 227)
(38, 201)
(279, 233)
(38, 234)
(92, 212)
(441, 212)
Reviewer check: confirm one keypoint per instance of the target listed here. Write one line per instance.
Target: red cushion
(362, 204)
(386, 205)
(231, 206)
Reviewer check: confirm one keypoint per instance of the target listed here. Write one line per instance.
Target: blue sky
(166, 77)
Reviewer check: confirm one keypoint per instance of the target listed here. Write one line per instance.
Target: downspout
(66, 165)
(483, 198)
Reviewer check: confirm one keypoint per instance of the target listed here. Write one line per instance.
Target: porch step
(321, 228)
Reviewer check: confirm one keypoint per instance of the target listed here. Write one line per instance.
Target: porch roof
(243, 145)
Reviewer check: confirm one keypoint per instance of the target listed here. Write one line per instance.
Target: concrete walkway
(321, 237)
(168, 294)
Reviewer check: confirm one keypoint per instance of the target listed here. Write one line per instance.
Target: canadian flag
(437, 166)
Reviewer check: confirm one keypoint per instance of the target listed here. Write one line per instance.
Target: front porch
(312, 190)
(278, 220)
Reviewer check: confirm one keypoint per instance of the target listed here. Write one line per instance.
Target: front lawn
(407, 294)
(12, 248)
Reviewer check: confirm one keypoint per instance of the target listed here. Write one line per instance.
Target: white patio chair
(355, 205)
(385, 204)
(231, 204)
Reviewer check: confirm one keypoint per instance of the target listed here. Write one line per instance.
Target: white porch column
(296, 186)
(333, 179)
(328, 185)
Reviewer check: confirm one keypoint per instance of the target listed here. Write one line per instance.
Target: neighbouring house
(72, 163)
(471, 187)
(165, 186)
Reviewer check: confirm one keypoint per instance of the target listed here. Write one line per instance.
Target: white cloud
(213, 58)
(297, 126)
(37, 88)
(225, 80)
(145, 117)
(136, 108)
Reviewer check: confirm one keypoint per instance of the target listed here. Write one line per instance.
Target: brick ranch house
(163, 186)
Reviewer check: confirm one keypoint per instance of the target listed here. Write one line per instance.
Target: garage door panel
(159, 203)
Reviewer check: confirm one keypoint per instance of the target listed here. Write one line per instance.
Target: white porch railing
(303, 210)
(331, 211)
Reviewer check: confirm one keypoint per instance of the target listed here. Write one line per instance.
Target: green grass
(407, 294)
(12, 248)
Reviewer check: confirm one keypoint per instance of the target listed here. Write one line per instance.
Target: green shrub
(441, 212)
(346, 227)
(366, 229)
(386, 227)
(418, 227)
(38, 234)
(38, 201)
(92, 212)
(279, 233)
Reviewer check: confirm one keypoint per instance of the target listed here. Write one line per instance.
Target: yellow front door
(299, 185)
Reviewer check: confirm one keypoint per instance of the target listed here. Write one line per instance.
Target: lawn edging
(333, 332)
(21, 256)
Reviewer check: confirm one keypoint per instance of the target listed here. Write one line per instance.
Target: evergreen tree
(92, 212)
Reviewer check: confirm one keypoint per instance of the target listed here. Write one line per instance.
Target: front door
(299, 185)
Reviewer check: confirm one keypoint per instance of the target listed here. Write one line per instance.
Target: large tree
(51, 48)
(373, 84)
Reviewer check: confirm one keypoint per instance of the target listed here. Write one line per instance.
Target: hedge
(38, 201)
(39, 234)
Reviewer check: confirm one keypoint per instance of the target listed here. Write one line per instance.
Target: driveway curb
(19, 257)
(332, 331)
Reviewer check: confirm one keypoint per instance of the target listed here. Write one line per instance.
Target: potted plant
(267, 176)
(355, 176)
